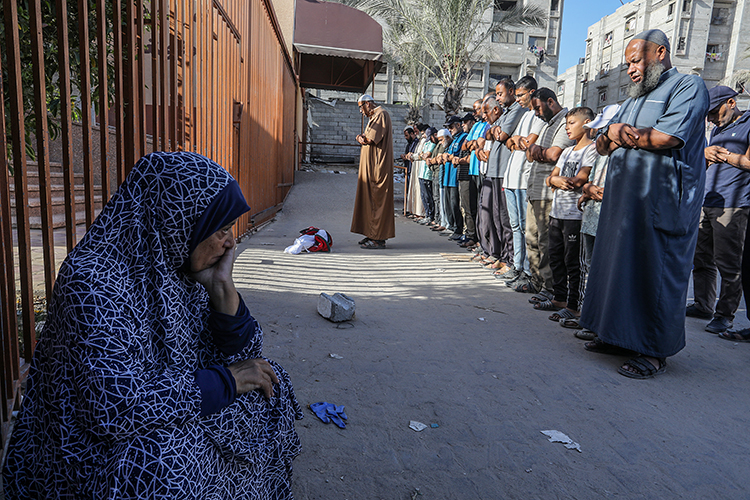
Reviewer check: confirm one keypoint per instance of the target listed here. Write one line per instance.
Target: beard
(649, 82)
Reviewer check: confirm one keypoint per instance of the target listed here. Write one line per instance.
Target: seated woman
(147, 380)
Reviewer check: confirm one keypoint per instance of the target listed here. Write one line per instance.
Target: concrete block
(336, 308)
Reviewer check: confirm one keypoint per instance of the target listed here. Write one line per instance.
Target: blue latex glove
(329, 412)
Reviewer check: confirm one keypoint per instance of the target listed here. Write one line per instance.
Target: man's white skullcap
(408, 127)
(365, 98)
(654, 36)
(603, 118)
(443, 132)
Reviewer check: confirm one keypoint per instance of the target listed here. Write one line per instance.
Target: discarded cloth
(311, 239)
(329, 412)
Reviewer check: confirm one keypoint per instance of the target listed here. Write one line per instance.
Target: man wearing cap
(453, 153)
(373, 205)
(412, 138)
(723, 222)
(640, 269)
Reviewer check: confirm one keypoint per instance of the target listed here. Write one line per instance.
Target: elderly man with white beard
(637, 289)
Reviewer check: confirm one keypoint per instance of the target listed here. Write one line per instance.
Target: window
(503, 5)
(686, 6)
(495, 78)
(588, 49)
(719, 15)
(514, 37)
(630, 27)
(670, 11)
(608, 39)
(535, 41)
(475, 75)
(680, 45)
(561, 88)
(714, 53)
(623, 92)
(602, 96)
(554, 6)
(605, 69)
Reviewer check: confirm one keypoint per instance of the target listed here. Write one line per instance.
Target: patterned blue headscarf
(111, 385)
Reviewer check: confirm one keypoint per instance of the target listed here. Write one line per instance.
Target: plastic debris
(329, 412)
(559, 437)
(481, 319)
(439, 270)
(336, 356)
(417, 426)
(434, 426)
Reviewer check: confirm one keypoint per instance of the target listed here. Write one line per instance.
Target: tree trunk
(414, 116)
(452, 101)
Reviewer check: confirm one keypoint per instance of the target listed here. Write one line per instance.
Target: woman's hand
(252, 374)
(218, 282)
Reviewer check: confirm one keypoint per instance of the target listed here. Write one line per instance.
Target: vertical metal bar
(155, 132)
(140, 88)
(85, 88)
(101, 39)
(18, 133)
(119, 70)
(42, 144)
(8, 285)
(131, 106)
(173, 55)
(163, 72)
(63, 64)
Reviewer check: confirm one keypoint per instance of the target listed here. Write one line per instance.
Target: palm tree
(452, 35)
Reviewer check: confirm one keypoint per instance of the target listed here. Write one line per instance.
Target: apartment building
(521, 51)
(705, 36)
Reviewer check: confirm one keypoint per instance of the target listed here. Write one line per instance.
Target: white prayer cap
(408, 127)
(365, 98)
(443, 132)
(603, 118)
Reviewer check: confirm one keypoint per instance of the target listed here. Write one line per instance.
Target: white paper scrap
(417, 426)
(559, 437)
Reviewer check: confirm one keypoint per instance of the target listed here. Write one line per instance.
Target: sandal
(570, 323)
(585, 334)
(546, 305)
(600, 347)
(363, 241)
(643, 368)
(373, 245)
(563, 314)
(736, 336)
(526, 286)
(541, 296)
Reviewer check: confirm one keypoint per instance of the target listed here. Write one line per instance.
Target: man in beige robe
(373, 206)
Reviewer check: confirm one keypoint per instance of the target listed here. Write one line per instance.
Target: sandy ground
(436, 339)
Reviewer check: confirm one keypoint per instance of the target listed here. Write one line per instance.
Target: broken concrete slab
(336, 308)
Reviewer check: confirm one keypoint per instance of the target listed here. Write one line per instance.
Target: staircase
(57, 191)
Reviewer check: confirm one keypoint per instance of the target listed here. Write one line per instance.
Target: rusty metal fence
(90, 86)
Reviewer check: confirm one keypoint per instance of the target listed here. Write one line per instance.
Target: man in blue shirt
(721, 234)
(642, 257)
(453, 154)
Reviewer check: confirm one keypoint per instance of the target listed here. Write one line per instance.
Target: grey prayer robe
(373, 206)
(637, 289)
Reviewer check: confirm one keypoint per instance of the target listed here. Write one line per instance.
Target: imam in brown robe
(373, 207)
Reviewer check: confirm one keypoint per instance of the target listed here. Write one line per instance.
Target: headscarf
(226, 207)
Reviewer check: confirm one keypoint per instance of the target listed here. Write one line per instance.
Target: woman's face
(212, 249)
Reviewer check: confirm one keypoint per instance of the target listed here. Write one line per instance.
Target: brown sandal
(373, 245)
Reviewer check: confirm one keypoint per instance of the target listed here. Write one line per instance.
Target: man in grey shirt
(544, 155)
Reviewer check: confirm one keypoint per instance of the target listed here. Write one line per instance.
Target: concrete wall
(339, 122)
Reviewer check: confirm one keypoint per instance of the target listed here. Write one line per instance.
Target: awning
(339, 47)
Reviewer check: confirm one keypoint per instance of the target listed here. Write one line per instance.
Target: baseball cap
(719, 95)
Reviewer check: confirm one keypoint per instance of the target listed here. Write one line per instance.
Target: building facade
(519, 52)
(705, 36)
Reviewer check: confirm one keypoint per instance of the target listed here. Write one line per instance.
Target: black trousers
(429, 205)
(564, 260)
(453, 210)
